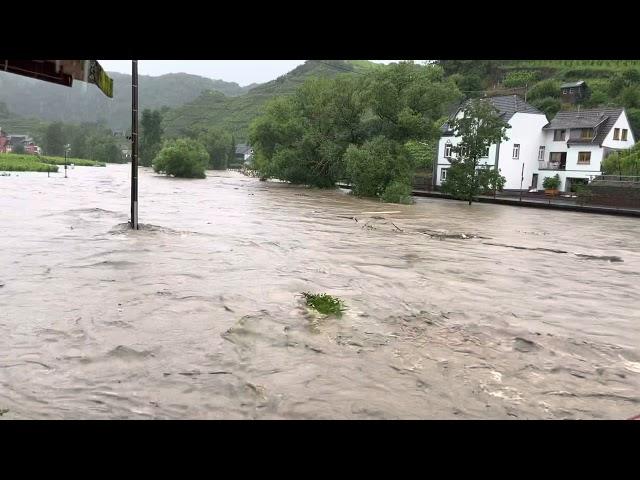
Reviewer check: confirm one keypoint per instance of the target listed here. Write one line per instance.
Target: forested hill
(212, 109)
(27, 97)
(613, 83)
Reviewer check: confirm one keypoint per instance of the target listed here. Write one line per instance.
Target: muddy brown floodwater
(454, 311)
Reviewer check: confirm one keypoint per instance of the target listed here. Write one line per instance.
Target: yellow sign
(98, 76)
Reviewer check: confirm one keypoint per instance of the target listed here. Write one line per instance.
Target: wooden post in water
(134, 145)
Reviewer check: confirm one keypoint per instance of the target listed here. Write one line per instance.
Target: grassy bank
(24, 163)
(78, 162)
(10, 162)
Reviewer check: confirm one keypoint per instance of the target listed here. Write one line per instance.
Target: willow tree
(479, 127)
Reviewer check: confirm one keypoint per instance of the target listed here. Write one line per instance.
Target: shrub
(551, 183)
(544, 89)
(184, 158)
(324, 303)
(549, 106)
(398, 192)
(519, 78)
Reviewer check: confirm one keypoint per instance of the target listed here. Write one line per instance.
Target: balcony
(552, 165)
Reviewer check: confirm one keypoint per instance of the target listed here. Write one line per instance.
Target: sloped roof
(572, 84)
(506, 105)
(242, 149)
(605, 117)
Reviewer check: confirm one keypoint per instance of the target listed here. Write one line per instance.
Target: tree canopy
(478, 127)
(353, 128)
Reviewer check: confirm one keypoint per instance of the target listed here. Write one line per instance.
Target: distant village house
(244, 154)
(574, 92)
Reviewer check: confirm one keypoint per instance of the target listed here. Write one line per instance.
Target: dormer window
(624, 134)
(558, 135)
(586, 133)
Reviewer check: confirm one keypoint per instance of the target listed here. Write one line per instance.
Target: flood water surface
(453, 311)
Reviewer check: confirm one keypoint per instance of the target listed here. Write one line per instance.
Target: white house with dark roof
(244, 153)
(525, 134)
(575, 143)
(572, 145)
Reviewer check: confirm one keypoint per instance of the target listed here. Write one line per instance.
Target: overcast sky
(243, 72)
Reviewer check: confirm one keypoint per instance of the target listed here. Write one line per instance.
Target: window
(555, 157)
(558, 135)
(616, 134)
(486, 152)
(443, 174)
(516, 151)
(584, 158)
(586, 133)
(447, 150)
(541, 154)
(571, 90)
(624, 134)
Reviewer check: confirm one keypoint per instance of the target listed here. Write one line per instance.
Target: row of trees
(356, 128)
(88, 140)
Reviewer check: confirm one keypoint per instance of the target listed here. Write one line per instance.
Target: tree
(377, 165)
(216, 141)
(479, 127)
(54, 139)
(103, 148)
(304, 138)
(545, 89)
(182, 158)
(232, 150)
(548, 105)
(150, 136)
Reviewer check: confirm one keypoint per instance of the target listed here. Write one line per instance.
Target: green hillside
(85, 103)
(212, 109)
(612, 83)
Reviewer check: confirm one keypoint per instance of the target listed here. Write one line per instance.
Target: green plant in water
(324, 303)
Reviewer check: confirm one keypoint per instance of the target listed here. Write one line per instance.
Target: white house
(572, 145)
(244, 153)
(576, 142)
(525, 135)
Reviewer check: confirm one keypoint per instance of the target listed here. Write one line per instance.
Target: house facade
(573, 145)
(516, 158)
(576, 142)
(574, 91)
(243, 153)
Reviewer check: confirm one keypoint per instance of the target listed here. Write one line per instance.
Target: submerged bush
(184, 158)
(324, 303)
(398, 192)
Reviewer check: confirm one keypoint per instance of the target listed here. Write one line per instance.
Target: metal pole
(521, 180)
(65, 161)
(134, 144)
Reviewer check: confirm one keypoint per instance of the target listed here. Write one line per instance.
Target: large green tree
(217, 141)
(150, 136)
(54, 139)
(479, 127)
(304, 138)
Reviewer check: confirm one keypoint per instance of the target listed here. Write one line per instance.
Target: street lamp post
(66, 149)
(134, 144)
